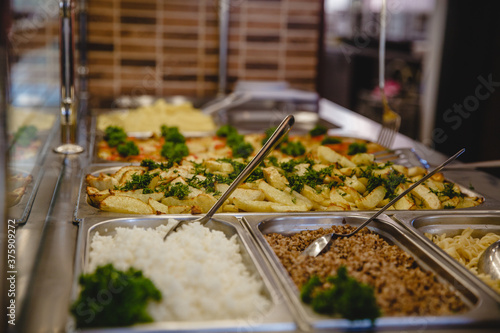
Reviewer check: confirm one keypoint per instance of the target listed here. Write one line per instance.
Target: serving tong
(269, 146)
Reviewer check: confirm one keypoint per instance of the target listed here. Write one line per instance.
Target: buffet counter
(47, 242)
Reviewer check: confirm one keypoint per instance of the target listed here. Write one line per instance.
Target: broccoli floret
(127, 295)
(115, 135)
(235, 141)
(149, 163)
(128, 148)
(242, 149)
(24, 135)
(174, 152)
(345, 295)
(293, 148)
(356, 148)
(355, 300)
(324, 302)
(225, 131)
(172, 134)
(330, 141)
(308, 288)
(318, 130)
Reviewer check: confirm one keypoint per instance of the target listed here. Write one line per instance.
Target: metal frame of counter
(46, 244)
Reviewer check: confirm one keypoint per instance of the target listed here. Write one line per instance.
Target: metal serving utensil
(319, 244)
(489, 261)
(273, 141)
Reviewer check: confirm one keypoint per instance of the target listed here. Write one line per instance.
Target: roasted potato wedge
(126, 205)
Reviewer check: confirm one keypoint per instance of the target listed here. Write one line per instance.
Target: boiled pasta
(466, 250)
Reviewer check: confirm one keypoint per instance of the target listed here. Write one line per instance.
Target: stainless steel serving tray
(31, 166)
(99, 135)
(253, 118)
(83, 209)
(453, 224)
(483, 310)
(20, 211)
(276, 318)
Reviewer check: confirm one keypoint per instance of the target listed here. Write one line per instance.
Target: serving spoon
(273, 141)
(489, 261)
(320, 244)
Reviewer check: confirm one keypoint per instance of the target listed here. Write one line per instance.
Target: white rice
(199, 272)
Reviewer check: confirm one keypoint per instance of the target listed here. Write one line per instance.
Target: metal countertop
(46, 243)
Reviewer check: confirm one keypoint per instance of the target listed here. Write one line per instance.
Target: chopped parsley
(448, 191)
(208, 183)
(114, 135)
(127, 296)
(258, 173)
(391, 182)
(289, 166)
(311, 178)
(138, 182)
(147, 190)
(211, 179)
(151, 165)
(178, 190)
(199, 168)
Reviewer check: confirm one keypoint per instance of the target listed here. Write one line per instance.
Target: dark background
(471, 49)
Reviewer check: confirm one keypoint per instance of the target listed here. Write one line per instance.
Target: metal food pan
(246, 122)
(21, 210)
(276, 318)
(482, 312)
(98, 136)
(83, 209)
(453, 224)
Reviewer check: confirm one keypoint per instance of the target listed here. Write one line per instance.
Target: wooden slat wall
(170, 47)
